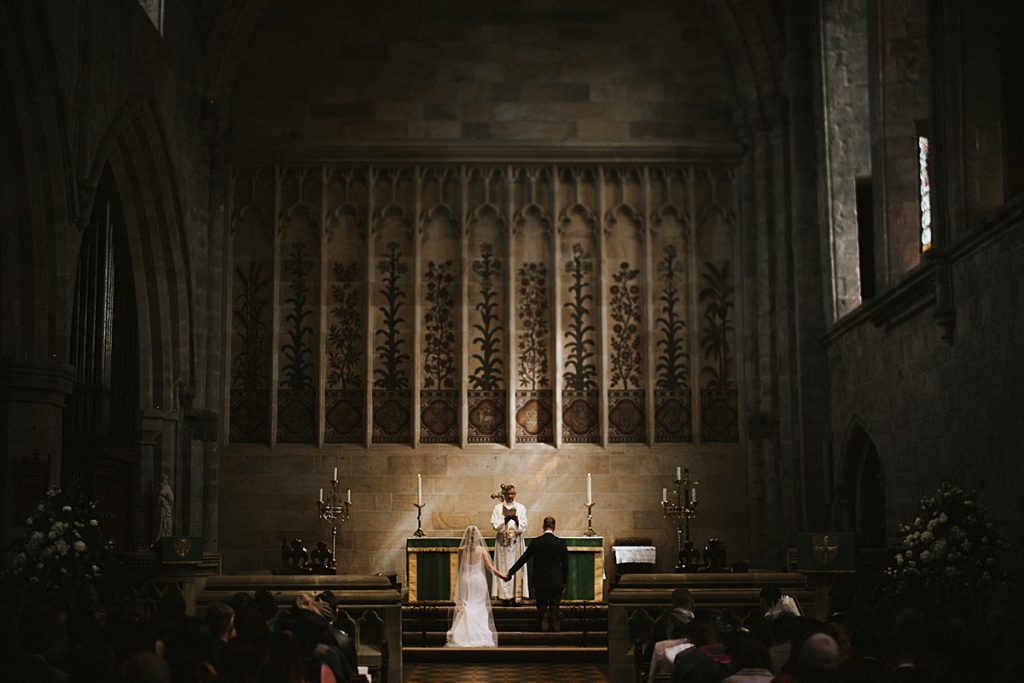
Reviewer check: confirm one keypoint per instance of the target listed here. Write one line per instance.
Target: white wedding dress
(472, 623)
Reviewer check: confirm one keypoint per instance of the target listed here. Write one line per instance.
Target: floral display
(62, 552)
(950, 552)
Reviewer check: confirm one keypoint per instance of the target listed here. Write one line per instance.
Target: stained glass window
(924, 189)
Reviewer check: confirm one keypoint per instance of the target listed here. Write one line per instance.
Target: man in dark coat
(550, 573)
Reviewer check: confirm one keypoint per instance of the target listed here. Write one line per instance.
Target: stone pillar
(32, 396)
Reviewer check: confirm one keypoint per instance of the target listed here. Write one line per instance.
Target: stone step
(550, 639)
(441, 623)
(505, 654)
(437, 617)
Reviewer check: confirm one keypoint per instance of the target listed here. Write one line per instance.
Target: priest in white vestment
(509, 522)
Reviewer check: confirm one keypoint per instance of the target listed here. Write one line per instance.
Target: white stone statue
(165, 508)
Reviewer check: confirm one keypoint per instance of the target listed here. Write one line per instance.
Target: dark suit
(550, 573)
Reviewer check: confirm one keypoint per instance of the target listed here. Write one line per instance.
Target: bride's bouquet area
(950, 554)
(61, 554)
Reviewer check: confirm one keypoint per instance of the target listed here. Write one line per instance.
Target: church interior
(726, 287)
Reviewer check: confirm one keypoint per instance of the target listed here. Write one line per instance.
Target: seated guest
(220, 618)
(188, 651)
(810, 655)
(346, 643)
(266, 604)
(911, 632)
(133, 628)
(750, 659)
(707, 661)
(819, 658)
(673, 640)
(250, 626)
(322, 645)
(240, 662)
(784, 630)
(774, 603)
(39, 628)
(145, 667)
(864, 665)
(289, 661)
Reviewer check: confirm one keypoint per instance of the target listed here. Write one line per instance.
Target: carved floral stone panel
(437, 295)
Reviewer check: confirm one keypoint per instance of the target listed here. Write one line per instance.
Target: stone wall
(846, 148)
(940, 411)
(899, 100)
(429, 76)
(533, 72)
(928, 370)
(270, 494)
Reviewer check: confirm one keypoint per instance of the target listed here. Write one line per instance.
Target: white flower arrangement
(61, 552)
(956, 548)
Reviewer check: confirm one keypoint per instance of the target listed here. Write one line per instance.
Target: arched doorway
(862, 490)
(101, 423)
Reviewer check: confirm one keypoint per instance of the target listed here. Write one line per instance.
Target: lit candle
(664, 495)
(693, 494)
(321, 495)
(349, 496)
(419, 489)
(679, 474)
(335, 474)
(590, 495)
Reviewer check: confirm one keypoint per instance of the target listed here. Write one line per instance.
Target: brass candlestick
(336, 512)
(590, 520)
(419, 520)
(684, 509)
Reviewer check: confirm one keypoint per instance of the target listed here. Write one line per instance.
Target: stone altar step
(428, 617)
(506, 654)
(550, 639)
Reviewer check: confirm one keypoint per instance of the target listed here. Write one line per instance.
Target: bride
(472, 623)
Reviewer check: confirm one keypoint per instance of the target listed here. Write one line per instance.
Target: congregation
(779, 645)
(248, 640)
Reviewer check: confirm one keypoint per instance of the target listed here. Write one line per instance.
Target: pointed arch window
(154, 9)
(924, 190)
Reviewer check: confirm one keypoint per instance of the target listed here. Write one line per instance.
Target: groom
(550, 573)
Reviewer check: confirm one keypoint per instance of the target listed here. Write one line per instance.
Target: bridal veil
(472, 622)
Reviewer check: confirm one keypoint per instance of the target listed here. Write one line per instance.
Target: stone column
(32, 396)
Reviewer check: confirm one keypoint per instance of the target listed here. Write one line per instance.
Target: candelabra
(590, 520)
(684, 508)
(336, 512)
(419, 520)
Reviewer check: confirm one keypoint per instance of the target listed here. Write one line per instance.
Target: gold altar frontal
(433, 563)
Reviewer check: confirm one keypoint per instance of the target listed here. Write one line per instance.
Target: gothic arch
(37, 192)
(135, 151)
(749, 30)
(861, 487)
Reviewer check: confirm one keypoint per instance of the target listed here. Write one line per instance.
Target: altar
(432, 565)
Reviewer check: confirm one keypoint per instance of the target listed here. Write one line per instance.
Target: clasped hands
(307, 602)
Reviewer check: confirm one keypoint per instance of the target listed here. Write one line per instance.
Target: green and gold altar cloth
(432, 565)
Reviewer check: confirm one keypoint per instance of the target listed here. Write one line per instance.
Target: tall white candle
(419, 489)
(590, 495)
(664, 495)
(693, 494)
(321, 495)
(679, 473)
(335, 474)
(348, 496)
